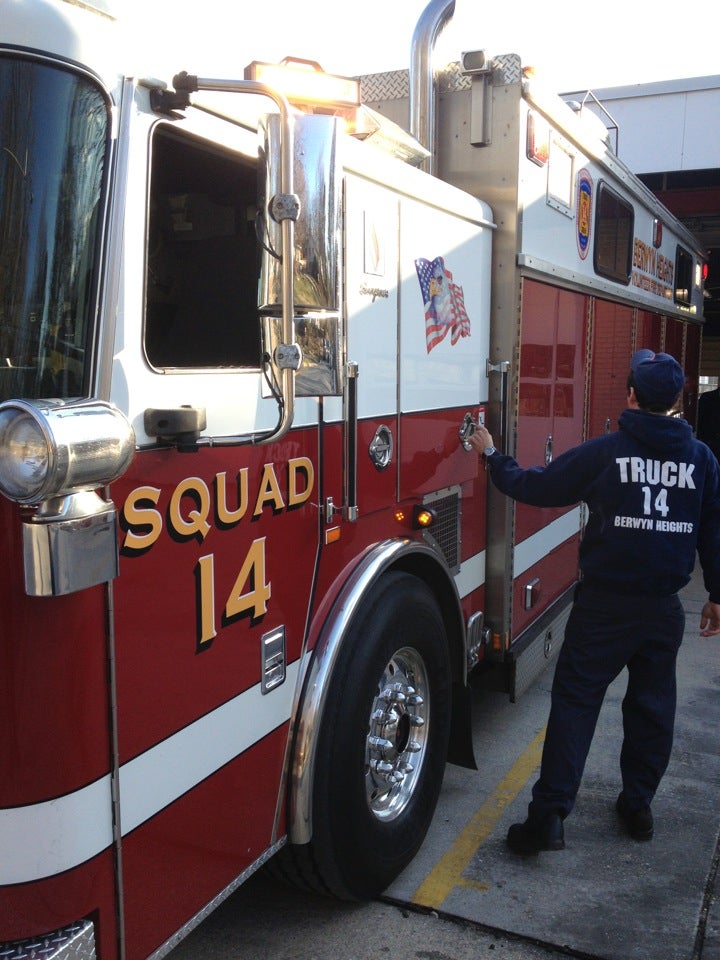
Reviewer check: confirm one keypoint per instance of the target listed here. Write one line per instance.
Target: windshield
(53, 138)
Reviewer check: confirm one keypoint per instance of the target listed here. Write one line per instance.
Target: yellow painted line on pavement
(448, 872)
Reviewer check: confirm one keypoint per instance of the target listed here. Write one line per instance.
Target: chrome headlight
(48, 450)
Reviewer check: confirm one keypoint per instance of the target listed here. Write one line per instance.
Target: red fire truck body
(249, 563)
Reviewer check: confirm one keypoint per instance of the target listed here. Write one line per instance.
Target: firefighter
(653, 496)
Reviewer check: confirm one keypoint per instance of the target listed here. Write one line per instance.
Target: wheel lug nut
(382, 766)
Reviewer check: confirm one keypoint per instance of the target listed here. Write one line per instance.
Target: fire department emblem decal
(584, 212)
(445, 311)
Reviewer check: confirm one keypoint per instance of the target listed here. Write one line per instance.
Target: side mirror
(316, 256)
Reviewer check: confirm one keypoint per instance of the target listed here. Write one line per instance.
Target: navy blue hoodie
(653, 493)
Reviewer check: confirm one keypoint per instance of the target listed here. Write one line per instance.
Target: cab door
(218, 542)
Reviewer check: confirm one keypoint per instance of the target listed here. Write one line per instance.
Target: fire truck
(250, 562)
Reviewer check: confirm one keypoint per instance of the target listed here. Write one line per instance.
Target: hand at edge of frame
(710, 619)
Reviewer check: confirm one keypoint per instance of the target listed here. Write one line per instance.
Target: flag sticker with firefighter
(445, 311)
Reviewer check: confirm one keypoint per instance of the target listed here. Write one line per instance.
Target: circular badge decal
(584, 212)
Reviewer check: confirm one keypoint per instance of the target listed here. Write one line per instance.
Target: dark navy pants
(605, 633)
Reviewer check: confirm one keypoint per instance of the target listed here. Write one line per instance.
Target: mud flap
(460, 750)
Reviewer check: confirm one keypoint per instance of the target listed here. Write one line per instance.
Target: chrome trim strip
(76, 941)
(202, 915)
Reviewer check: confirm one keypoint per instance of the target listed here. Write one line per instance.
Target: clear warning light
(305, 82)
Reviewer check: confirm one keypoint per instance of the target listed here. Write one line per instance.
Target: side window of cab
(202, 257)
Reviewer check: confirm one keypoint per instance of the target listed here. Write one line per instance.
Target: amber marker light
(332, 535)
(423, 517)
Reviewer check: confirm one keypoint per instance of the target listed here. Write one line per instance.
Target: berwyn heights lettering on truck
(191, 512)
(652, 271)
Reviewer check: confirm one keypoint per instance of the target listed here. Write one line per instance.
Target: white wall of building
(664, 126)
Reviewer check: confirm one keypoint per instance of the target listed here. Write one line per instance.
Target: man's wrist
(489, 451)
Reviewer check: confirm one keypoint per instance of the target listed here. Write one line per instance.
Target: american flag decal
(444, 303)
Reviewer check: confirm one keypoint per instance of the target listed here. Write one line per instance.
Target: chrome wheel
(379, 758)
(397, 734)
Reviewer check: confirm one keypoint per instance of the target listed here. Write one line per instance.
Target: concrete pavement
(467, 896)
(604, 895)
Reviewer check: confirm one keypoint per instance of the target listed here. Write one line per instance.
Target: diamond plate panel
(539, 655)
(74, 942)
(451, 78)
(507, 68)
(392, 85)
(395, 84)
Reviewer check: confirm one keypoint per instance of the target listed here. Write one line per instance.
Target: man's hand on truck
(481, 438)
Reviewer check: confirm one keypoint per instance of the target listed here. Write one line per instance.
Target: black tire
(382, 747)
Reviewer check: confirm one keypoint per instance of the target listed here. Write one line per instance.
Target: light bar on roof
(304, 82)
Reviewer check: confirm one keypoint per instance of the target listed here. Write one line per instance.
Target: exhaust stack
(423, 123)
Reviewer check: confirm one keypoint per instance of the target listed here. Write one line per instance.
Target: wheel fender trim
(383, 556)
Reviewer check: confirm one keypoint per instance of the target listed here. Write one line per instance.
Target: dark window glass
(614, 224)
(53, 143)
(202, 257)
(683, 277)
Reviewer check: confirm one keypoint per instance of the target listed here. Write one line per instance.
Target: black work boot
(536, 834)
(639, 822)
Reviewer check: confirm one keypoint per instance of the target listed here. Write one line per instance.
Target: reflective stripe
(44, 839)
(537, 546)
(472, 572)
(159, 776)
(471, 575)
